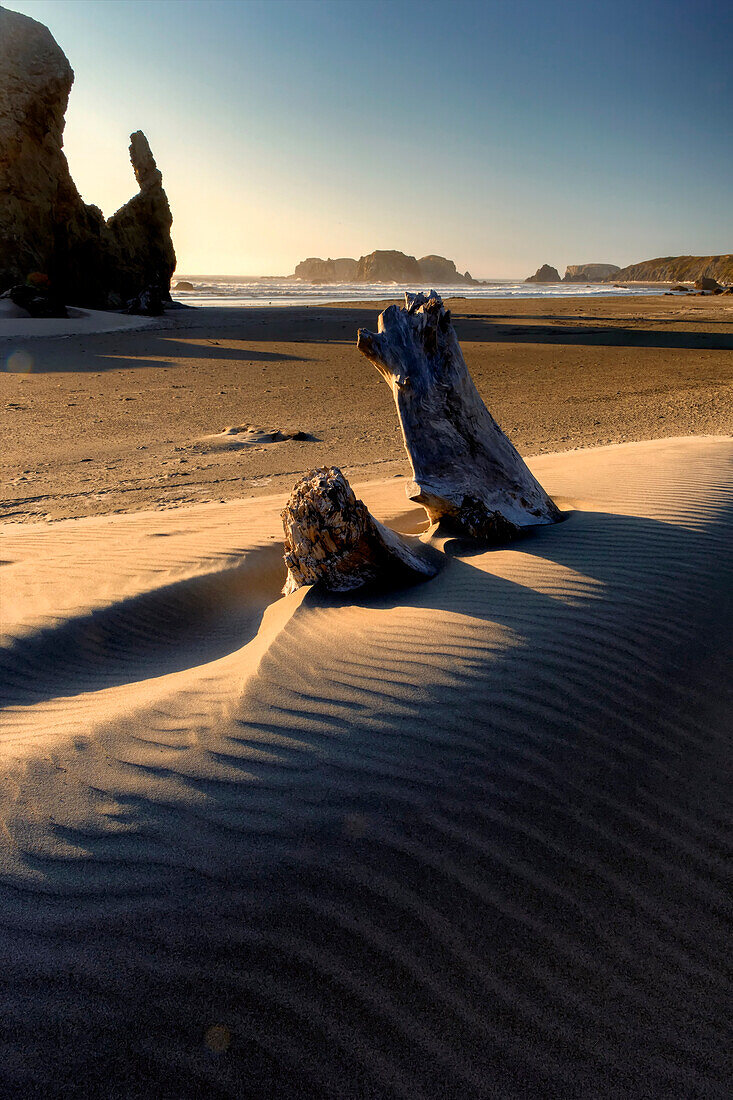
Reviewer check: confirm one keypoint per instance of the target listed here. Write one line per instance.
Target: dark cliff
(45, 226)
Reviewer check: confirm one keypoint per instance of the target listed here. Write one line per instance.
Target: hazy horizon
(502, 136)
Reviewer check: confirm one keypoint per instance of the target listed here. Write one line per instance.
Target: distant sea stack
(384, 267)
(678, 269)
(314, 270)
(45, 227)
(590, 273)
(545, 274)
(388, 267)
(438, 271)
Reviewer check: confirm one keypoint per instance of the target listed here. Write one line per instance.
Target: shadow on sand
(190, 337)
(469, 860)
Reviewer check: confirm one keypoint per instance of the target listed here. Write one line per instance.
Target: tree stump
(466, 473)
(332, 538)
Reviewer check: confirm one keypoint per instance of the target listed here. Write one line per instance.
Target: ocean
(282, 292)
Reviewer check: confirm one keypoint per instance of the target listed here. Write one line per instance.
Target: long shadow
(324, 325)
(328, 325)
(178, 626)
(191, 338)
(485, 330)
(102, 352)
(502, 875)
(616, 557)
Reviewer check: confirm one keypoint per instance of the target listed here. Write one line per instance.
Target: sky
(503, 134)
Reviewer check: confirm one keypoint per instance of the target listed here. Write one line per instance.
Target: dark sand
(109, 423)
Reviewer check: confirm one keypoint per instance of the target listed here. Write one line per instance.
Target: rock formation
(467, 475)
(35, 301)
(706, 283)
(384, 267)
(438, 271)
(140, 246)
(45, 227)
(678, 269)
(315, 270)
(545, 274)
(590, 273)
(344, 269)
(389, 267)
(331, 538)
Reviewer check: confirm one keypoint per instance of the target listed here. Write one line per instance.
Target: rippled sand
(464, 841)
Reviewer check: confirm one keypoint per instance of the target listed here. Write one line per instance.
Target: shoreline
(132, 420)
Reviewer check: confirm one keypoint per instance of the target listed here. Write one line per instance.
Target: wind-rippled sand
(468, 840)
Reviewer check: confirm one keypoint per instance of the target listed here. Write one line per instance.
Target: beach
(462, 839)
(366, 551)
(129, 420)
(465, 840)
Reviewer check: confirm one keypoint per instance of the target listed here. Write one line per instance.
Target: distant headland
(683, 269)
(665, 269)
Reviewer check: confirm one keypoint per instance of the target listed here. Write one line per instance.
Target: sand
(17, 326)
(123, 421)
(465, 841)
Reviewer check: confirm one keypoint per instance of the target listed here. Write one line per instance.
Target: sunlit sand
(477, 819)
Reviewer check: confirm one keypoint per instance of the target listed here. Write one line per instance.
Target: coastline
(129, 420)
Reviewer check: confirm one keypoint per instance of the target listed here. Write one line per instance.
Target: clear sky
(503, 134)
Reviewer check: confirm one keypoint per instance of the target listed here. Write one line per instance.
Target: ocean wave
(228, 292)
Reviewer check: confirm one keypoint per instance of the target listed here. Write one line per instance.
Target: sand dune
(465, 841)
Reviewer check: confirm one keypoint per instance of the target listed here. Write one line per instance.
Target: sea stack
(590, 273)
(45, 226)
(545, 274)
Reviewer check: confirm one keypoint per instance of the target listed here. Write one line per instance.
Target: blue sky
(502, 134)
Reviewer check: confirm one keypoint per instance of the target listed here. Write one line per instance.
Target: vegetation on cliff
(678, 269)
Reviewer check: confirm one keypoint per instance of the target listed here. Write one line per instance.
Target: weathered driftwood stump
(466, 473)
(332, 538)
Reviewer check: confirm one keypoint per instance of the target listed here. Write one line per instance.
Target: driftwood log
(332, 538)
(466, 473)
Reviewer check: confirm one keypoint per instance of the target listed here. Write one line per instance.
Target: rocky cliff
(674, 269)
(545, 274)
(45, 227)
(589, 273)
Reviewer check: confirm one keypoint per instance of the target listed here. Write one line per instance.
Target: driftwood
(332, 538)
(467, 474)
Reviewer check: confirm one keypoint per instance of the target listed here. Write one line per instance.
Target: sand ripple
(468, 841)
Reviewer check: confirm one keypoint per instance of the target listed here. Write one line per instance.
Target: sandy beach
(116, 422)
(464, 840)
(365, 649)
(467, 840)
